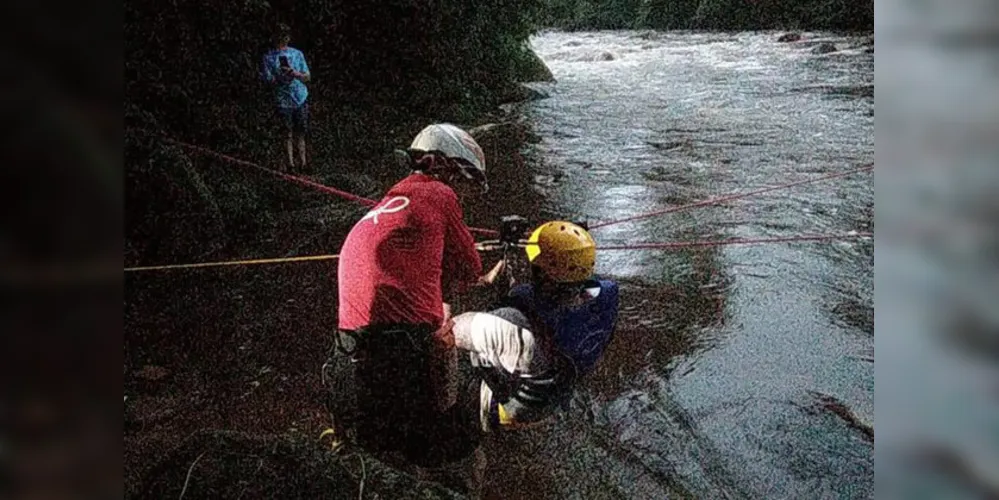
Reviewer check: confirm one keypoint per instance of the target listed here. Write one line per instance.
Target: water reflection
(704, 387)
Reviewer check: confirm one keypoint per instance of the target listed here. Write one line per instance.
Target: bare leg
(289, 145)
(301, 152)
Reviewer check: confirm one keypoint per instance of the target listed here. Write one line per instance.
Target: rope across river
(633, 246)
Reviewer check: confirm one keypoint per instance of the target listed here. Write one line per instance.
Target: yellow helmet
(563, 250)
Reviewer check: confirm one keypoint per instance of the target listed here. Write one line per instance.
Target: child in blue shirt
(285, 69)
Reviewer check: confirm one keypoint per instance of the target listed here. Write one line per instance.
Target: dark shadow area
(221, 464)
(380, 72)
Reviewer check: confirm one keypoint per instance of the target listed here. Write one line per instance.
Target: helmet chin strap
(454, 172)
(446, 169)
(474, 175)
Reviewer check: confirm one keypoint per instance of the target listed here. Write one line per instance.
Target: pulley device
(512, 230)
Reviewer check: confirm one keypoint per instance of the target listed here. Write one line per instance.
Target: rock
(545, 180)
(505, 132)
(789, 37)
(824, 48)
(667, 145)
(498, 138)
(605, 56)
(520, 93)
(838, 408)
(533, 69)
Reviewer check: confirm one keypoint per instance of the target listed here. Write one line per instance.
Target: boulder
(824, 48)
(789, 37)
(498, 138)
(519, 93)
(508, 132)
(532, 68)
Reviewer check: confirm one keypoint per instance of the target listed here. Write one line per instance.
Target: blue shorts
(295, 120)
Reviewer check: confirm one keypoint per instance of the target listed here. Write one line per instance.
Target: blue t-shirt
(290, 92)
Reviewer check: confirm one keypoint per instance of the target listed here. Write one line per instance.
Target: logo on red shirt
(393, 205)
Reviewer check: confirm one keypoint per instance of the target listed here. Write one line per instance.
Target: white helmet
(453, 142)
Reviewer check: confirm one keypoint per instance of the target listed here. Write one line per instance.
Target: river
(710, 388)
(736, 372)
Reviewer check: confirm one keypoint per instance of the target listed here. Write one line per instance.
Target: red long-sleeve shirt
(393, 260)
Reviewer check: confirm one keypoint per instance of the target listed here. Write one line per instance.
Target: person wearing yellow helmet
(526, 356)
(531, 352)
(562, 256)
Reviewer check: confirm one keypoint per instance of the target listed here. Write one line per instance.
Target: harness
(583, 332)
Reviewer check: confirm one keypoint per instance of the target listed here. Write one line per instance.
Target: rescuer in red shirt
(392, 273)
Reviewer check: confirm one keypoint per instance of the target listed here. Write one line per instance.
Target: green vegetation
(380, 71)
(196, 65)
(840, 15)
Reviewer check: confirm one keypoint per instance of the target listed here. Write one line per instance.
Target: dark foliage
(380, 71)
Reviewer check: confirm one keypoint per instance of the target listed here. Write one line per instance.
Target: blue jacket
(582, 333)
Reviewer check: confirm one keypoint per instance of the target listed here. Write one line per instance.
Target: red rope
(737, 241)
(294, 178)
(301, 180)
(484, 232)
(491, 232)
(715, 201)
